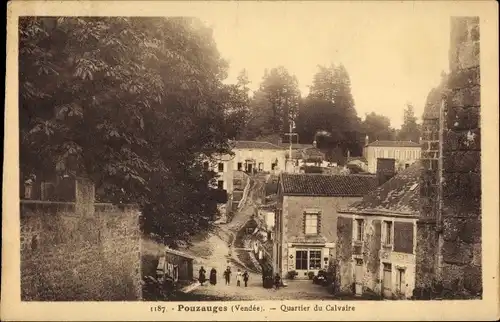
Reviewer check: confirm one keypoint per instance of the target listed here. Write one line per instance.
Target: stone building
(377, 239)
(306, 218)
(449, 231)
(223, 165)
(404, 152)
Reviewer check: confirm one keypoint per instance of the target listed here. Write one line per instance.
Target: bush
(310, 275)
(292, 274)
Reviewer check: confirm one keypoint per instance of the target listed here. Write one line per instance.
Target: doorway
(249, 168)
(358, 277)
(387, 281)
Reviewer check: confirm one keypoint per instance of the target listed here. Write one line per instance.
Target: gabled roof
(399, 195)
(257, 145)
(409, 144)
(321, 185)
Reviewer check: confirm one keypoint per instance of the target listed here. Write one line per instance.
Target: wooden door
(387, 281)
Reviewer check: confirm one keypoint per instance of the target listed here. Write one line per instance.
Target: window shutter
(304, 222)
(319, 222)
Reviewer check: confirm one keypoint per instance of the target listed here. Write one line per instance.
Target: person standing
(227, 275)
(201, 276)
(213, 276)
(277, 281)
(238, 278)
(245, 278)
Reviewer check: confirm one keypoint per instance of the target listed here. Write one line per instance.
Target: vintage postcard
(251, 160)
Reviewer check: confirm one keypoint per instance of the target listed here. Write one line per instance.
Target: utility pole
(291, 134)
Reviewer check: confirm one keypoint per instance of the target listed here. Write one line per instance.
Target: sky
(394, 55)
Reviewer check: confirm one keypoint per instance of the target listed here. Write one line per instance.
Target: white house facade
(404, 152)
(255, 156)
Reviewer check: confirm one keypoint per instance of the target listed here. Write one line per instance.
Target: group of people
(240, 276)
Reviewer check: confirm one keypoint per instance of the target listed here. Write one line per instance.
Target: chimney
(367, 141)
(386, 169)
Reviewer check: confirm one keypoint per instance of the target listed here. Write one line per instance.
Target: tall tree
(238, 105)
(410, 129)
(135, 104)
(324, 84)
(330, 107)
(278, 98)
(378, 127)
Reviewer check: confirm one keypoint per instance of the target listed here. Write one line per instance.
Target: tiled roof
(399, 195)
(327, 185)
(395, 144)
(257, 145)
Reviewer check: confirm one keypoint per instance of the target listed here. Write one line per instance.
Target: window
(308, 259)
(261, 166)
(403, 237)
(400, 281)
(388, 233)
(311, 224)
(359, 229)
(301, 259)
(240, 166)
(273, 166)
(314, 259)
(205, 165)
(221, 167)
(220, 184)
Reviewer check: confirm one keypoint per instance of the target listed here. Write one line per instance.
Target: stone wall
(344, 254)
(369, 252)
(461, 212)
(79, 251)
(372, 242)
(449, 230)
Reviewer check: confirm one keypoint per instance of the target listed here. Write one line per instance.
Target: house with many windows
(377, 239)
(305, 227)
(404, 152)
(256, 156)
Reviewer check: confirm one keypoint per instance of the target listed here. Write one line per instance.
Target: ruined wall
(461, 213)
(79, 251)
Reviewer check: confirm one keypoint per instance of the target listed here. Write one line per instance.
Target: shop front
(304, 259)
